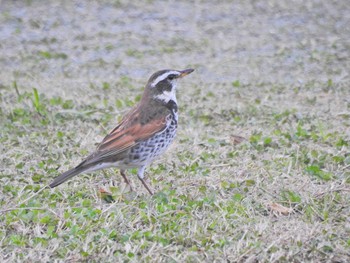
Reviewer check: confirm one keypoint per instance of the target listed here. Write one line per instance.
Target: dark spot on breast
(172, 106)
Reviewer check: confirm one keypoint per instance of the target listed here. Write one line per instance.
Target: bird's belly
(146, 151)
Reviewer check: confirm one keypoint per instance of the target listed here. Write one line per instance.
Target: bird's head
(162, 84)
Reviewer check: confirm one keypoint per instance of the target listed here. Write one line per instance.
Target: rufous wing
(126, 135)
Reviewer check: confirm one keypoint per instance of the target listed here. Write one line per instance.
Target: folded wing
(126, 135)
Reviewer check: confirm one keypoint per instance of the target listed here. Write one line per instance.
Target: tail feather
(66, 176)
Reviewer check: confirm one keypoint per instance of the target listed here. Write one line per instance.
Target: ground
(260, 169)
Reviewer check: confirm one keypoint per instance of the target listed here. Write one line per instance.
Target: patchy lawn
(260, 170)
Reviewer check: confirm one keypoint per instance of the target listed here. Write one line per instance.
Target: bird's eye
(171, 77)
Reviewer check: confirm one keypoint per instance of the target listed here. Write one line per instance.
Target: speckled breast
(148, 150)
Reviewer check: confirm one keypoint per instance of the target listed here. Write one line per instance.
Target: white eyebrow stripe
(162, 77)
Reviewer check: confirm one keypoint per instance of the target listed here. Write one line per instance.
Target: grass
(282, 193)
(259, 171)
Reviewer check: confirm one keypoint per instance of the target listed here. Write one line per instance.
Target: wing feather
(127, 134)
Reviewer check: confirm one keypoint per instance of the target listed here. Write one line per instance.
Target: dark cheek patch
(164, 85)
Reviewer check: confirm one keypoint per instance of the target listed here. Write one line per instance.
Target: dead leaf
(105, 195)
(278, 209)
(235, 139)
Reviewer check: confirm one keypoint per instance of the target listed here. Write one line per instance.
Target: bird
(142, 135)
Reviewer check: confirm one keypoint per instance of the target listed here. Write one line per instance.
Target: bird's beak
(185, 72)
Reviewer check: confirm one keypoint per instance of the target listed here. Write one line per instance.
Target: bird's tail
(67, 175)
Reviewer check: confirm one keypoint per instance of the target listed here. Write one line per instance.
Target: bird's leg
(122, 172)
(140, 175)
